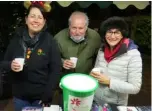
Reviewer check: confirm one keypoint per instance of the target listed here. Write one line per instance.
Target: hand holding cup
(102, 78)
(74, 60)
(70, 64)
(17, 64)
(96, 71)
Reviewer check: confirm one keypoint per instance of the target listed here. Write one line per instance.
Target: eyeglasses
(116, 33)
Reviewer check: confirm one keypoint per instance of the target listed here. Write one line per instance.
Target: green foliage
(143, 31)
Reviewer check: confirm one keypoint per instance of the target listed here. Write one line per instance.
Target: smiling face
(35, 21)
(113, 37)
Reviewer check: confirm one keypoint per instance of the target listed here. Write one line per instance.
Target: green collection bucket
(78, 91)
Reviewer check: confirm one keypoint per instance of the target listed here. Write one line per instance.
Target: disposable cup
(98, 70)
(74, 60)
(21, 62)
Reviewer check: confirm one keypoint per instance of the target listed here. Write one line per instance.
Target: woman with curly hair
(119, 62)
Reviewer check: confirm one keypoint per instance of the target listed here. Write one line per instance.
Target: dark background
(12, 16)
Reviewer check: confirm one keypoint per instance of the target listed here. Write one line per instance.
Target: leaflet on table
(53, 108)
(127, 108)
(32, 109)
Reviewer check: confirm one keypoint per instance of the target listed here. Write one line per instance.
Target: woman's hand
(103, 79)
(15, 66)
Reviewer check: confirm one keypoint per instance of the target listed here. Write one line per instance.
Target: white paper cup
(98, 70)
(21, 62)
(74, 60)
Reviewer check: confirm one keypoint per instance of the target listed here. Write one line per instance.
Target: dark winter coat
(41, 71)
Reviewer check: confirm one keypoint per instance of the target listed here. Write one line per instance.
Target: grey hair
(79, 13)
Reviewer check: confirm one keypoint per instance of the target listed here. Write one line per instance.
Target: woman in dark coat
(33, 86)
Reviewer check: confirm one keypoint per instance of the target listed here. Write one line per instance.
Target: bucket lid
(79, 82)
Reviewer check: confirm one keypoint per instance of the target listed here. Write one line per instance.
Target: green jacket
(85, 51)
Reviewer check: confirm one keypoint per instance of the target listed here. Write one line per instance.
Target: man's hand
(102, 78)
(68, 64)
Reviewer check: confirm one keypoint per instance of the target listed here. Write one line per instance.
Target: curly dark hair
(114, 22)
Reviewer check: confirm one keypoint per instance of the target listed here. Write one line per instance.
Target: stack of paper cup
(21, 62)
(74, 60)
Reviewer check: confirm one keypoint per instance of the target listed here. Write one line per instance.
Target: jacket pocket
(110, 95)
